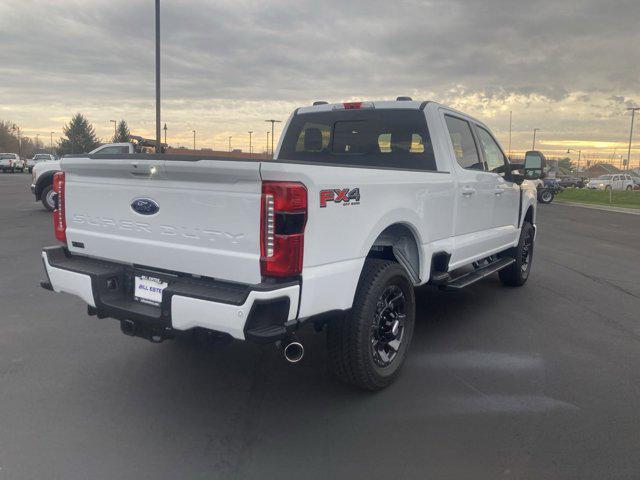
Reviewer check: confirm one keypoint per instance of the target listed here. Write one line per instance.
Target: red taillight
(59, 219)
(352, 105)
(284, 216)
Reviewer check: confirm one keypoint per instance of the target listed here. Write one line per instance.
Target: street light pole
(229, 143)
(165, 133)
(158, 146)
(194, 139)
(273, 122)
(534, 138)
(51, 142)
(115, 129)
(250, 133)
(633, 114)
(510, 124)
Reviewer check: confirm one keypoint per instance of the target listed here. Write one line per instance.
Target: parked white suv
(612, 181)
(362, 202)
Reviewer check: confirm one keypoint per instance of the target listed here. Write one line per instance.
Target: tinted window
(493, 156)
(464, 146)
(112, 151)
(367, 137)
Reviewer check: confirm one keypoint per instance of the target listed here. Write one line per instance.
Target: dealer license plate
(149, 289)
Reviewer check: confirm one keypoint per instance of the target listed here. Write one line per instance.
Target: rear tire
(368, 346)
(47, 198)
(629, 188)
(517, 273)
(546, 196)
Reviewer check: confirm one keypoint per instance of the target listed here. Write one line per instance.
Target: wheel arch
(45, 179)
(399, 242)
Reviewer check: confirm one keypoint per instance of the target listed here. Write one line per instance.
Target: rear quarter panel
(339, 236)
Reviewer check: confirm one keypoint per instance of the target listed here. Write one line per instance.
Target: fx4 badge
(344, 196)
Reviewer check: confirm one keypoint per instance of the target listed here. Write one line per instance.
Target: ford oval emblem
(145, 206)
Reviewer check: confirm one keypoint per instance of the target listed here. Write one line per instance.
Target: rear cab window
(384, 138)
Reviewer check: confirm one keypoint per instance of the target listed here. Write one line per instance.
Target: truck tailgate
(207, 220)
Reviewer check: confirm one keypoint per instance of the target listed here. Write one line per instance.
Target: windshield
(41, 157)
(360, 137)
(604, 177)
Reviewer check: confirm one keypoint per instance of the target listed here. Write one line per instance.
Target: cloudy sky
(568, 67)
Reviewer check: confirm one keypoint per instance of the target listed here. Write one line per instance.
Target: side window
(464, 146)
(492, 153)
(111, 151)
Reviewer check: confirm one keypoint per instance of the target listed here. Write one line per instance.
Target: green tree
(122, 133)
(80, 136)
(566, 164)
(8, 137)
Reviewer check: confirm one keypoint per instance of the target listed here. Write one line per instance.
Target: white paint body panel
(70, 282)
(208, 222)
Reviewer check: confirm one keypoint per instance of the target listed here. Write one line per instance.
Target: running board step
(477, 275)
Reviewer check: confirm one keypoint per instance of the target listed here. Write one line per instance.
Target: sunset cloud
(570, 68)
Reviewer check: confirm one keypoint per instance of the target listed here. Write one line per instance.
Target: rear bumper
(260, 313)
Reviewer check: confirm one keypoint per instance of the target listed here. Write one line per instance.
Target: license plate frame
(148, 289)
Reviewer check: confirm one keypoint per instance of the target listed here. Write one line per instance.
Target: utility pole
(579, 155)
(229, 143)
(510, 124)
(165, 133)
(194, 139)
(51, 142)
(250, 149)
(158, 146)
(267, 142)
(273, 122)
(633, 114)
(115, 128)
(534, 138)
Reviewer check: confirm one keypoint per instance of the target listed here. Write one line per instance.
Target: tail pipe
(293, 351)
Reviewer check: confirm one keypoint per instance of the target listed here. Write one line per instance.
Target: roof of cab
(378, 104)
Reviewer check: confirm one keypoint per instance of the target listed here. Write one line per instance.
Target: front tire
(517, 273)
(629, 188)
(368, 346)
(47, 197)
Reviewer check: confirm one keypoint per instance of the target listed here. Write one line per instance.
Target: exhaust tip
(294, 352)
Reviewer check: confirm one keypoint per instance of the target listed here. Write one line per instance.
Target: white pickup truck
(361, 203)
(42, 171)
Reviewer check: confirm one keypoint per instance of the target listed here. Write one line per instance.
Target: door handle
(468, 191)
(498, 191)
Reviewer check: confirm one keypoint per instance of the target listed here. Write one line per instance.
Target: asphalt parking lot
(541, 382)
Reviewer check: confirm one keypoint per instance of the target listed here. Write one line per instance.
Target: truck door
(506, 193)
(475, 192)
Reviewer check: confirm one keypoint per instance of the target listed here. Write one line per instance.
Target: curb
(632, 211)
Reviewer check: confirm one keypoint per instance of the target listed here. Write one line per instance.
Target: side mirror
(534, 165)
